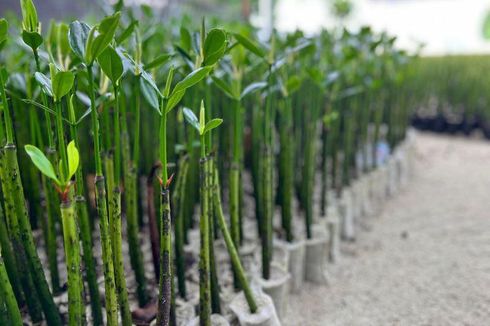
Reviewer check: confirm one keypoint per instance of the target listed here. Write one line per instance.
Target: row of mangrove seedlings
(133, 131)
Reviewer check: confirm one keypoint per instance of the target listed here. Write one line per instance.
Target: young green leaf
(212, 124)
(168, 83)
(250, 45)
(44, 82)
(41, 162)
(73, 159)
(96, 44)
(77, 37)
(111, 63)
(61, 84)
(214, 46)
(191, 79)
(191, 118)
(30, 21)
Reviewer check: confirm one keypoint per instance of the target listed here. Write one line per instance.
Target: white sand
(426, 259)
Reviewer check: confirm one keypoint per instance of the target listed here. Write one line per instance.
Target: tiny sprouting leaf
(174, 100)
(191, 118)
(32, 39)
(97, 43)
(214, 46)
(149, 94)
(73, 159)
(30, 21)
(158, 61)
(77, 37)
(224, 87)
(44, 82)
(111, 64)
(250, 45)
(41, 162)
(253, 87)
(212, 124)
(191, 79)
(61, 84)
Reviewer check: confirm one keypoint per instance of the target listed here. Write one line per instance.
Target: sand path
(426, 259)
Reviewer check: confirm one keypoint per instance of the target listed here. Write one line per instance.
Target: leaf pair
(88, 43)
(200, 125)
(44, 165)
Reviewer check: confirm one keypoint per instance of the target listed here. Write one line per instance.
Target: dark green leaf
(250, 45)
(32, 39)
(191, 118)
(214, 46)
(111, 63)
(77, 37)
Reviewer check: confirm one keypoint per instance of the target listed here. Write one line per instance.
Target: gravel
(426, 259)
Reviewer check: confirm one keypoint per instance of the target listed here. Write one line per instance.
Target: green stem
(204, 264)
(15, 186)
(76, 308)
(232, 251)
(7, 294)
(122, 293)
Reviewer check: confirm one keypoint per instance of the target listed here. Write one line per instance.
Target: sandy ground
(426, 259)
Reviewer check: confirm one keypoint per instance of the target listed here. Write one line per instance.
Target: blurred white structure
(444, 26)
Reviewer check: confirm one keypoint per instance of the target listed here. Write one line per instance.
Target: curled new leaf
(41, 162)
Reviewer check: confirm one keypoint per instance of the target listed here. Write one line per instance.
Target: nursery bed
(424, 261)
